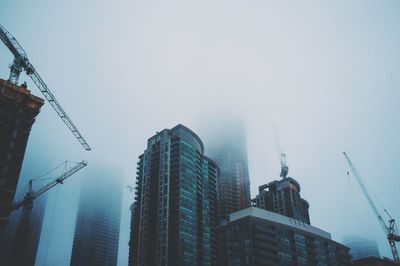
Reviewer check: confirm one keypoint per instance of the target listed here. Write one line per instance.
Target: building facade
(18, 110)
(254, 236)
(226, 144)
(283, 197)
(175, 211)
(97, 226)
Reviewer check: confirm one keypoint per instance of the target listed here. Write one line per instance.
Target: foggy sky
(325, 72)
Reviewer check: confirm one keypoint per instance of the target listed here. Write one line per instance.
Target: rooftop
(279, 219)
(20, 93)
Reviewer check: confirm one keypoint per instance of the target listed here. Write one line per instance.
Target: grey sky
(325, 72)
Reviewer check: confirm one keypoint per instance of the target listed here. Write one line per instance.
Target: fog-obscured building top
(361, 247)
(97, 226)
(225, 140)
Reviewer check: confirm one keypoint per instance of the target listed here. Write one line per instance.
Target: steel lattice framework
(20, 63)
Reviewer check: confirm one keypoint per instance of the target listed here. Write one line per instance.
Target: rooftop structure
(279, 219)
(254, 236)
(283, 197)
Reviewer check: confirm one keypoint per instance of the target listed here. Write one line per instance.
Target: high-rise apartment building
(254, 236)
(226, 143)
(175, 211)
(97, 226)
(18, 109)
(283, 197)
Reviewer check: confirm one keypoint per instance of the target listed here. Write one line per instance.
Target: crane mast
(391, 229)
(281, 154)
(20, 63)
(27, 204)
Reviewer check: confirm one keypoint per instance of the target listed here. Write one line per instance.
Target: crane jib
(20, 63)
(390, 230)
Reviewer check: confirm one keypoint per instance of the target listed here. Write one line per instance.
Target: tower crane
(27, 204)
(21, 63)
(390, 229)
(282, 155)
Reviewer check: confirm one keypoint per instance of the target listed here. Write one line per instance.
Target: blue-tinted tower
(97, 227)
(174, 214)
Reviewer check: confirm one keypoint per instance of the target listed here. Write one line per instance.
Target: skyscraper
(98, 222)
(283, 197)
(18, 109)
(175, 212)
(226, 144)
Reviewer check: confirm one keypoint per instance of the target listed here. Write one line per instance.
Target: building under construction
(277, 231)
(283, 197)
(18, 109)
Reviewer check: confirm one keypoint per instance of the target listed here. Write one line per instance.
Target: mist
(325, 73)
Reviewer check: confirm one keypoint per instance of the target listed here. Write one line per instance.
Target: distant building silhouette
(174, 214)
(254, 236)
(361, 247)
(97, 227)
(226, 144)
(27, 252)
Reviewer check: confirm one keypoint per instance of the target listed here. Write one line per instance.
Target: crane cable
(39, 178)
(370, 192)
